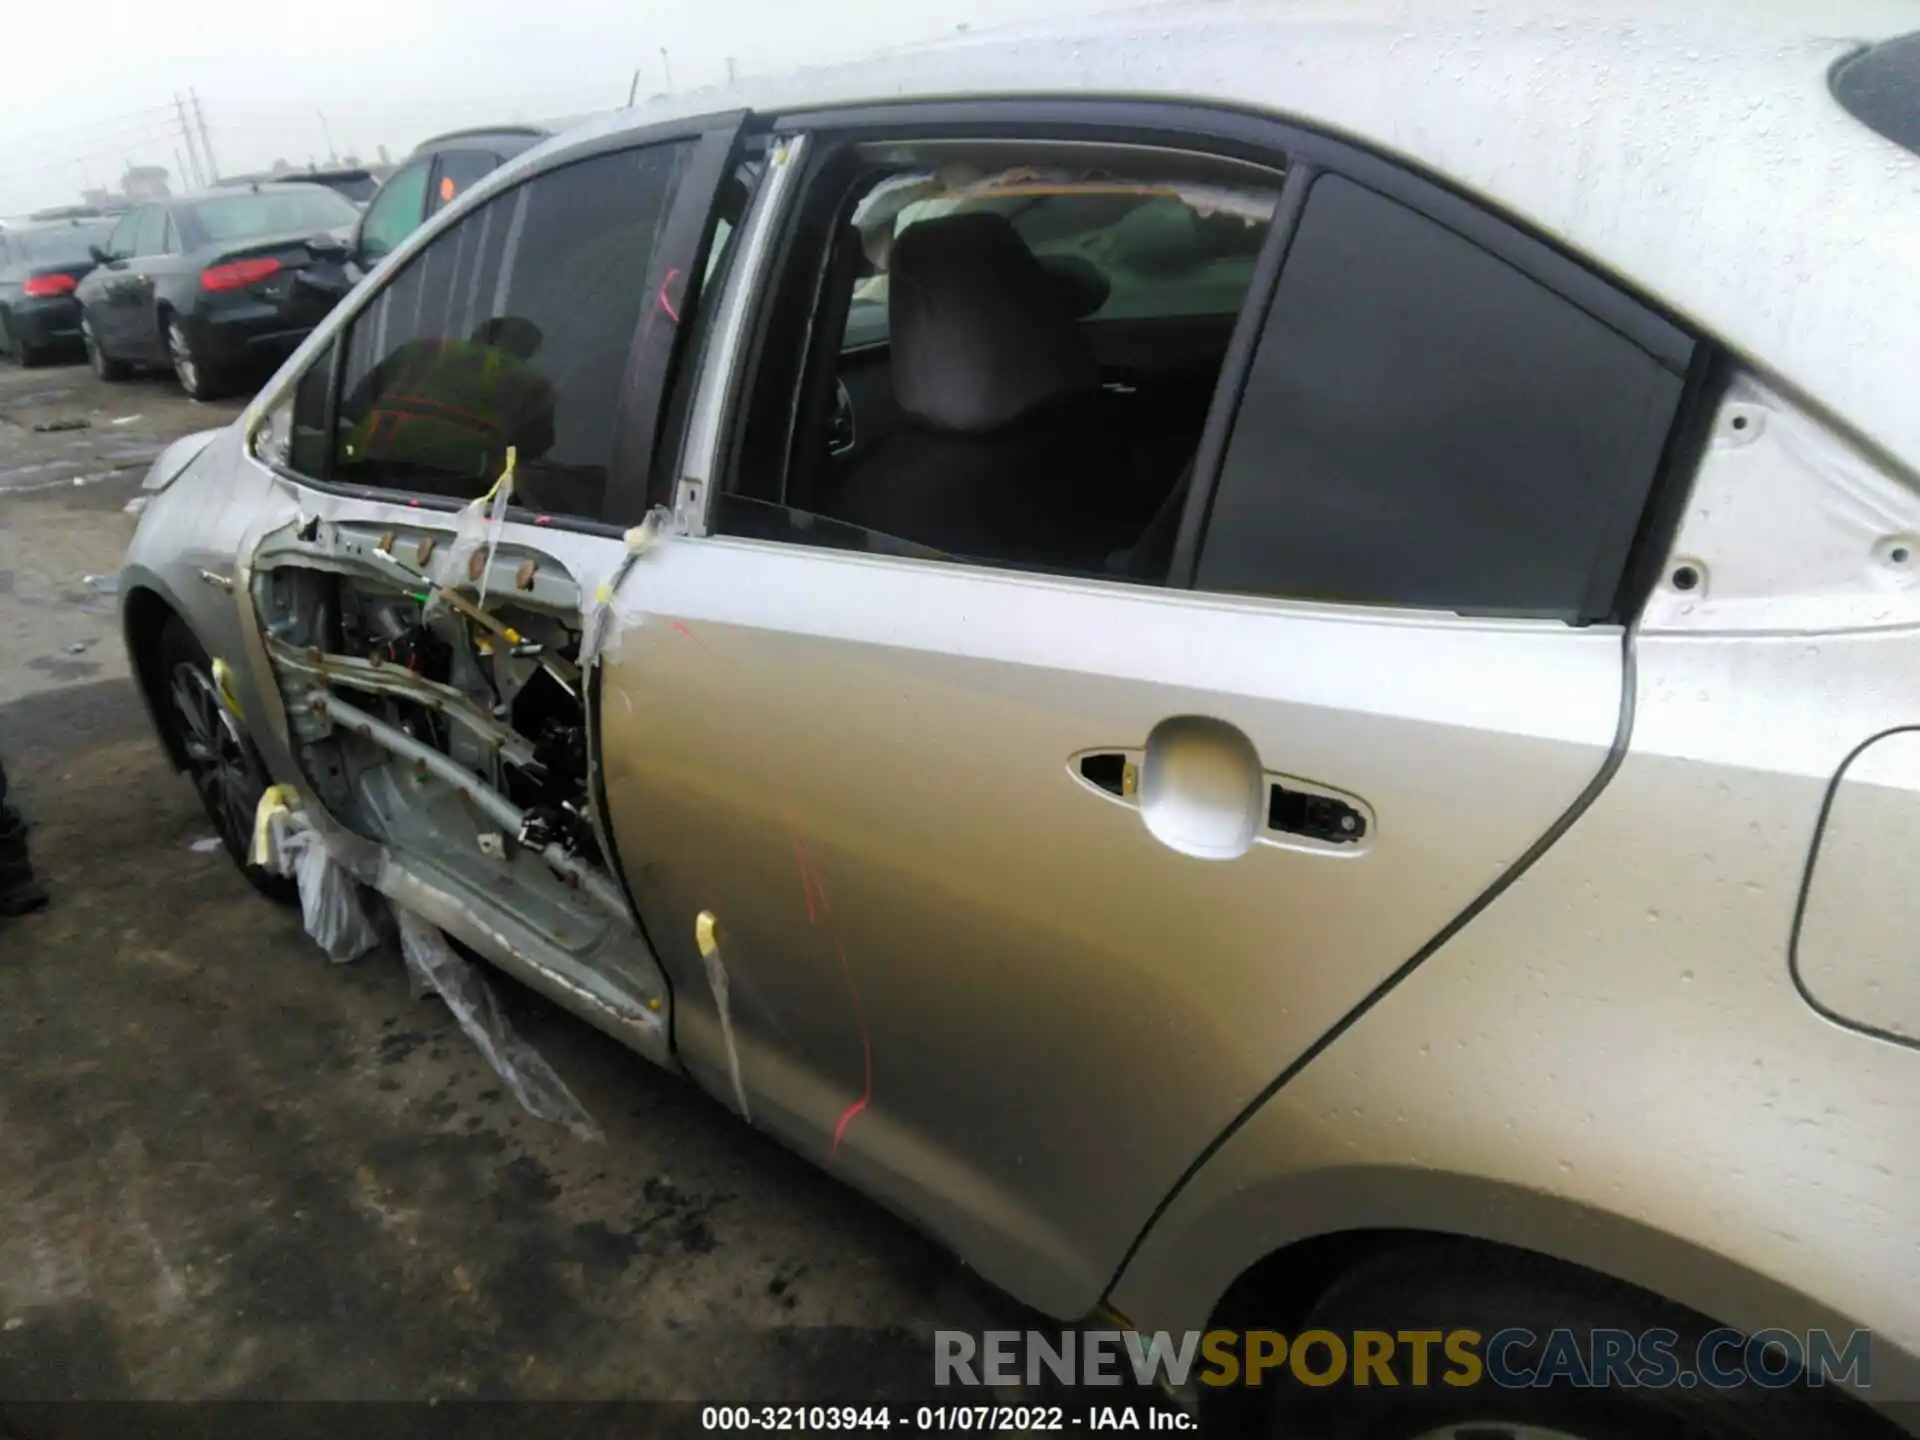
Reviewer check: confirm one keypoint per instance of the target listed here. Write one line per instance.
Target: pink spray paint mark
(818, 910)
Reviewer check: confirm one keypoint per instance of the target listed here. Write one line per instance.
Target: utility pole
(333, 156)
(666, 69)
(206, 144)
(729, 70)
(633, 89)
(186, 133)
(176, 165)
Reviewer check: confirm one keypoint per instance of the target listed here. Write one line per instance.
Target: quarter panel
(1615, 1048)
(1854, 952)
(1614, 1057)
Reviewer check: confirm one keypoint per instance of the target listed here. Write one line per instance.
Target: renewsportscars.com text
(1513, 1358)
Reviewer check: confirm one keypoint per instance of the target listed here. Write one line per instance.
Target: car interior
(997, 351)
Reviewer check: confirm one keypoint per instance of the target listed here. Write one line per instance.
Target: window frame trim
(1302, 153)
(329, 348)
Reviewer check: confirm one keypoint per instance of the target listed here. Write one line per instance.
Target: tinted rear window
(1426, 426)
(272, 212)
(1880, 87)
(58, 246)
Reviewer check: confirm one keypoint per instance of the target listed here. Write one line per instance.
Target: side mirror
(325, 246)
(100, 257)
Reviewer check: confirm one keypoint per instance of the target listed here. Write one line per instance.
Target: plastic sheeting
(333, 906)
(346, 920)
(481, 520)
(433, 965)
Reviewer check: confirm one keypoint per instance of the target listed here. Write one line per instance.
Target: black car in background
(215, 284)
(42, 262)
(358, 185)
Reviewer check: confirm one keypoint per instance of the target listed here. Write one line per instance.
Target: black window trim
(715, 139)
(1302, 153)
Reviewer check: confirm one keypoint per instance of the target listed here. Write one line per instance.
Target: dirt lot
(231, 1169)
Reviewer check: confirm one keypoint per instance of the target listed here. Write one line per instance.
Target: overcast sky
(90, 86)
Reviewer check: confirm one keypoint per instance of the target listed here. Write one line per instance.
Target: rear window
(271, 212)
(59, 246)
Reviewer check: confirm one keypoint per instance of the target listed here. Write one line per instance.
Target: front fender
(187, 552)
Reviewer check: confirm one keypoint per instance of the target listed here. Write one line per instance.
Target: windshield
(59, 245)
(271, 212)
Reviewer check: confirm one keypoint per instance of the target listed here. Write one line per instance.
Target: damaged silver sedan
(1273, 706)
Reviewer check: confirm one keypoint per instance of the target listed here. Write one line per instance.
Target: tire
(24, 355)
(225, 768)
(104, 365)
(199, 379)
(1447, 1286)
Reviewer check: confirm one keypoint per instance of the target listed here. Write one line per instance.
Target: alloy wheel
(217, 758)
(184, 364)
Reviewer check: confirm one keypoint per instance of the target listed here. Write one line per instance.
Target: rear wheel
(227, 772)
(199, 379)
(104, 365)
(24, 355)
(1443, 1287)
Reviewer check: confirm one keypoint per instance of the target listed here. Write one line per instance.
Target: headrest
(980, 333)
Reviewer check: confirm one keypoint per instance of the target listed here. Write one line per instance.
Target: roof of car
(250, 187)
(518, 137)
(33, 224)
(1695, 149)
(320, 177)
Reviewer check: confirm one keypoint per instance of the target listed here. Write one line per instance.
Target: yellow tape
(506, 476)
(279, 798)
(223, 686)
(703, 933)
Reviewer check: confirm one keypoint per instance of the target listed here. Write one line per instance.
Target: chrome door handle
(222, 583)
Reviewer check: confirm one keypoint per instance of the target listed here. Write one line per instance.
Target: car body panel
(1852, 949)
(1612, 1063)
(900, 724)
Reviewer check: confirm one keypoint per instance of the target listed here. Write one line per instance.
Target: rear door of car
(114, 312)
(1017, 888)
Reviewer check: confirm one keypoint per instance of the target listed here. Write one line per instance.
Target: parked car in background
(214, 284)
(1308, 722)
(42, 263)
(356, 184)
(438, 172)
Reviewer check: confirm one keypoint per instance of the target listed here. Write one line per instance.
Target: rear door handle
(1220, 813)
